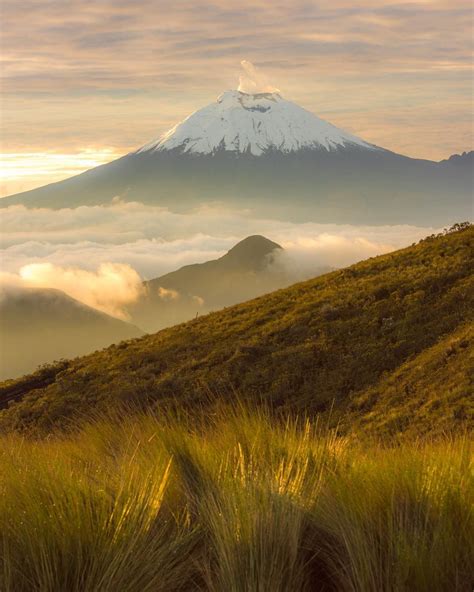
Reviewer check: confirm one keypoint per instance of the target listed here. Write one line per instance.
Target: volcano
(268, 155)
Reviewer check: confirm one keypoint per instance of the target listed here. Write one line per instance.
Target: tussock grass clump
(243, 503)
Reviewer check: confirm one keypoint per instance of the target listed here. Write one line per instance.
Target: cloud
(167, 295)
(198, 300)
(305, 256)
(154, 241)
(108, 289)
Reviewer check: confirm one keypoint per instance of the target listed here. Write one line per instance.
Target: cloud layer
(100, 254)
(154, 240)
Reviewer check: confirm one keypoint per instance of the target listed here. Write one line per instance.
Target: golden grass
(243, 503)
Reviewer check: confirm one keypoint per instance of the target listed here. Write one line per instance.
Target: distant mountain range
(38, 326)
(385, 344)
(464, 159)
(253, 267)
(269, 155)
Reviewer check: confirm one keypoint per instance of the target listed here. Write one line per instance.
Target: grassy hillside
(427, 395)
(328, 342)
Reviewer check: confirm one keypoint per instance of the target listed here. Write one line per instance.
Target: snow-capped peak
(253, 123)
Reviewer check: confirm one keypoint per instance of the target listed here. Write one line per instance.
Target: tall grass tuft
(74, 522)
(242, 502)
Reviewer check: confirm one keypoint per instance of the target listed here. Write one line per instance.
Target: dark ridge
(464, 159)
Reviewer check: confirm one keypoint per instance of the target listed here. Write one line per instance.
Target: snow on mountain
(253, 124)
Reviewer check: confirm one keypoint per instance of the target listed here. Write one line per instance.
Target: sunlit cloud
(109, 288)
(167, 294)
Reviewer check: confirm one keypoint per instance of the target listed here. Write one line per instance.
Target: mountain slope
(38, 326)
(270, 156)
(313, 346)
(251, 268)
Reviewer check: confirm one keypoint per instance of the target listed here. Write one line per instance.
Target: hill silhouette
(253, 267)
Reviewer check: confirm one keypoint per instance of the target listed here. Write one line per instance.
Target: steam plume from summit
(252, 81)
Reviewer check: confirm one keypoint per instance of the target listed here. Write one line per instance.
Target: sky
(85, 82)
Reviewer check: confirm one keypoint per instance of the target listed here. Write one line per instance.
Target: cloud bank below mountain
(100, 254)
